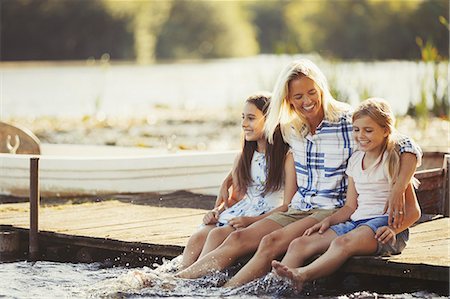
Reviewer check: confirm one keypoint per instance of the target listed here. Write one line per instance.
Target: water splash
(65, 280)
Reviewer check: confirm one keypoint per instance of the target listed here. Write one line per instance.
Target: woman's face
(305, 96)
(252, 122)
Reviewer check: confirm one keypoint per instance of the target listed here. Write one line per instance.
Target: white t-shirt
(371, 185)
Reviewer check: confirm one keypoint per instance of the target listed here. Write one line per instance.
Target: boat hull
(73, 175)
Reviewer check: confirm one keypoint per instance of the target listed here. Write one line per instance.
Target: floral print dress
(254, 203)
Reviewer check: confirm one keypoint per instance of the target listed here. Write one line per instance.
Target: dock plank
(110, 219)
(427, 251)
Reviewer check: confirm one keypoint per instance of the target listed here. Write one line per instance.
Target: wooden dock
(149, 226)
(162, 224)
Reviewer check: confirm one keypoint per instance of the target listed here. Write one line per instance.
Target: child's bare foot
(293, 274)
(142, 279)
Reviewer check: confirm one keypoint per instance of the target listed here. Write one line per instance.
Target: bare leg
(299, 251)
(238, 243)
(306, 247)
(360, 241)
(215, 238)
(270, 247)
(194, 246)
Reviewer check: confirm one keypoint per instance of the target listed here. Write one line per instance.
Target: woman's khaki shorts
(292, 215)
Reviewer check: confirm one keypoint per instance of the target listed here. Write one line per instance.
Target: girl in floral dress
(262, 181)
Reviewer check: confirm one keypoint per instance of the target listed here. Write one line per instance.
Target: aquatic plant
(439, 85)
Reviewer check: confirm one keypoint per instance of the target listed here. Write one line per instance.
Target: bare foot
(293, 274)
(141, 279)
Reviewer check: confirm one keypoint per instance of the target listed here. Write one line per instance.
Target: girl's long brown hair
(275, 155)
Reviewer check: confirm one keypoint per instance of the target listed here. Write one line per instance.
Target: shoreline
(179, 129)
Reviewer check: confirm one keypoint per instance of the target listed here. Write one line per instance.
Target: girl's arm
(290, 187)
(341, 215)
(396, 201)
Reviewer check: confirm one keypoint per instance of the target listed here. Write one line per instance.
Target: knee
(342, 243)
(236, 238)
(299, 245)
(199, 236)
(269, 242)
(217, 233)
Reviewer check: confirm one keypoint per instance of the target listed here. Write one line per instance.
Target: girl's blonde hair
(283, 113)
(380, 112)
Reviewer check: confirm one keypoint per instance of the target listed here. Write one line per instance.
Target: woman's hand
(396, 207)
(385, 234)
(223, 196)
(211, 217)
(240, 222)
(321, 227)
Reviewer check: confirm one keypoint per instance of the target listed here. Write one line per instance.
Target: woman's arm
(386, 234)
(412, 209)
(396, 201)
(224, 191)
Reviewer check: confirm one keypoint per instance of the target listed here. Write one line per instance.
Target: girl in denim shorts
(360, 227)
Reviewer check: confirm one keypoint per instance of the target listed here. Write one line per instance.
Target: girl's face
(369, 136)
(305, 96)
(252, 122)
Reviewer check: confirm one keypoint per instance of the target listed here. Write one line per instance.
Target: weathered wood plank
(115, 224)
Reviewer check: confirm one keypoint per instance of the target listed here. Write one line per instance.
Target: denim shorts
(375, 223)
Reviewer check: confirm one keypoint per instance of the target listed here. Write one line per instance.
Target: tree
(146, 20)
(53, 29)
(205, 29)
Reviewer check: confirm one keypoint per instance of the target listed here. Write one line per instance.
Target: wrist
(398, 188)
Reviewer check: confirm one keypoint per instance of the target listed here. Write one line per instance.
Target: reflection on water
(64, 280)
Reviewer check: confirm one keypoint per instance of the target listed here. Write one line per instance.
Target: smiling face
(252, 122)
(305, 96)
(369, 135)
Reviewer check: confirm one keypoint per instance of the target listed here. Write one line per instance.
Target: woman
(318, 128)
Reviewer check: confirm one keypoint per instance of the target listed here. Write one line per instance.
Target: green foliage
(146, 18)
(366, 29)
(147, 29)
(430, 55)
(273, 34)
(205, 29)
(61, 30)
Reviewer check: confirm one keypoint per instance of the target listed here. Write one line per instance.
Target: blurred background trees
(149, 30)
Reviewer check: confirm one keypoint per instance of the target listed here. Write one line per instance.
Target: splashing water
(64, 280)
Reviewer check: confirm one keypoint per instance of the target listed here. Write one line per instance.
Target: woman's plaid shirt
(321, 161)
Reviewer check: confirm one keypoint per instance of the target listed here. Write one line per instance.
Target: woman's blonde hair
(380, 112)
(283, 113)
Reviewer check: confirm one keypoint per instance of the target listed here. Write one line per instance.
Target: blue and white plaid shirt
(321, 161)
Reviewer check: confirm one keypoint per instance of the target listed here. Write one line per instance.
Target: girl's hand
(385, 234)
(240, 222)
(321, 227)
(211, 217)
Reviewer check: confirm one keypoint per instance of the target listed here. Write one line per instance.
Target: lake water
(65, 280)
(77, 89)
